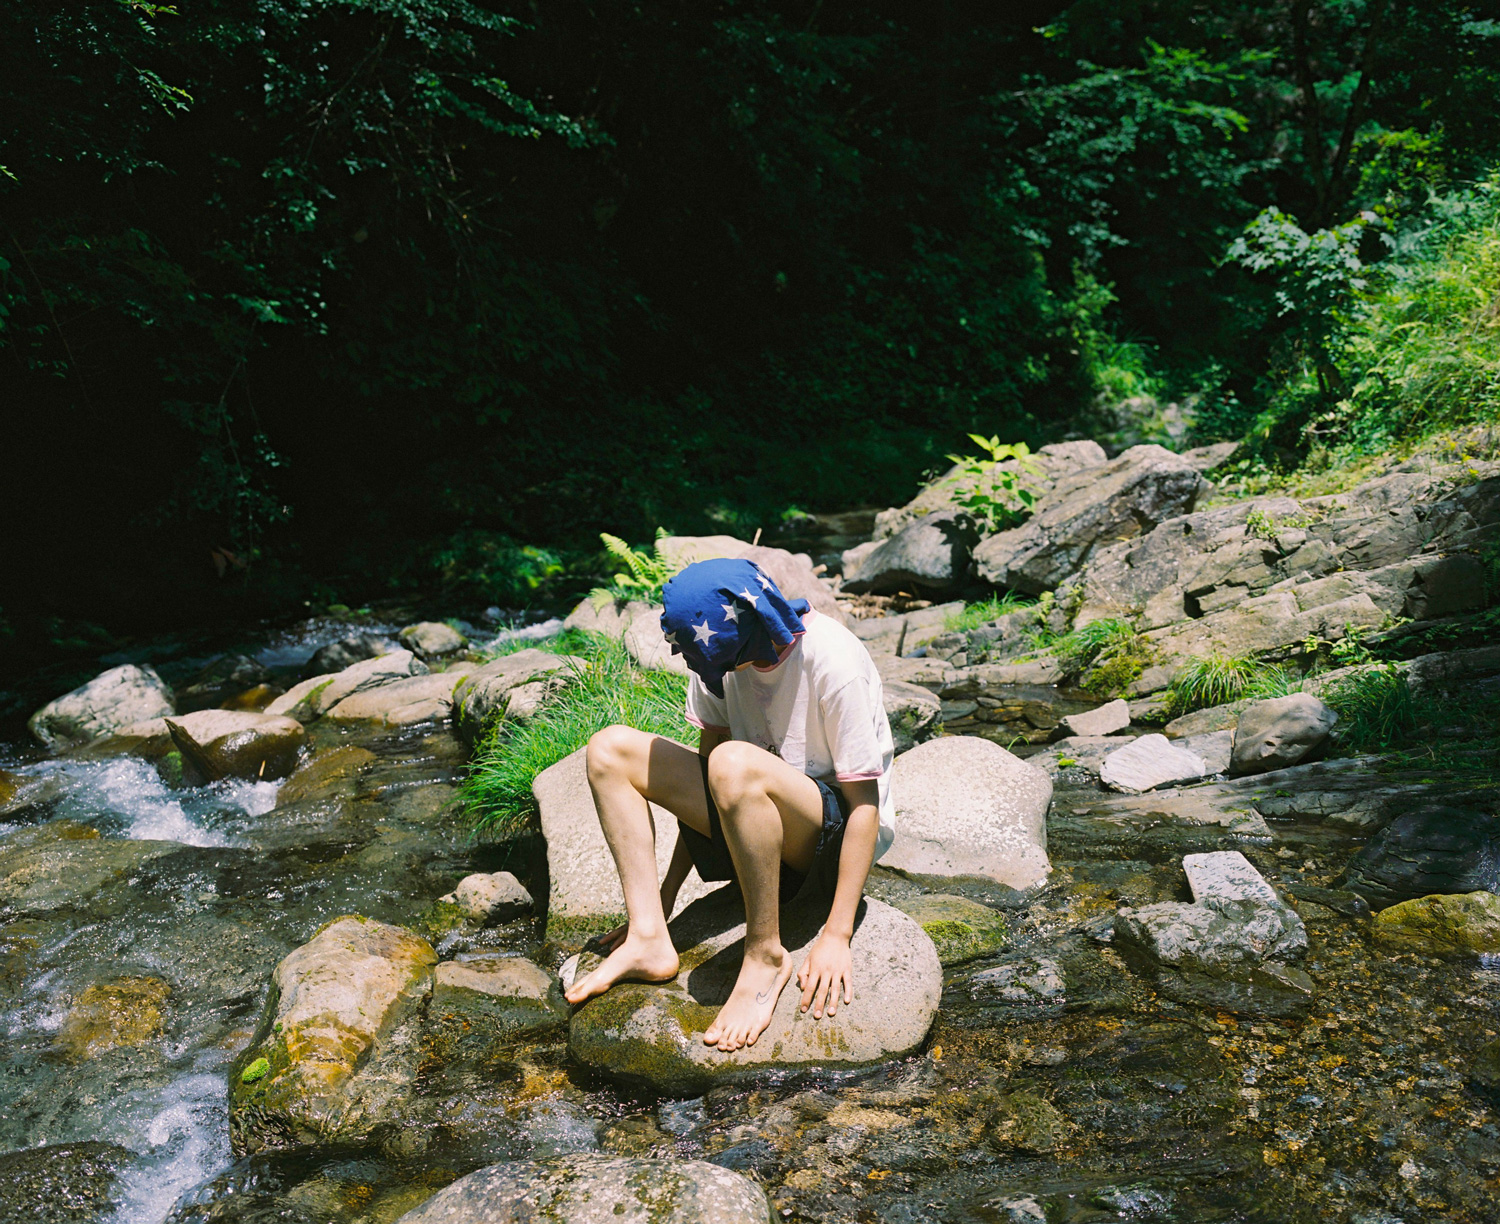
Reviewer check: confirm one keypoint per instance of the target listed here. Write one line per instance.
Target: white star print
(731, 613)
(752, 599)
(703, 632)
(765, 583)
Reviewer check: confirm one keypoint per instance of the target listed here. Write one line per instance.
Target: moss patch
(960, 929)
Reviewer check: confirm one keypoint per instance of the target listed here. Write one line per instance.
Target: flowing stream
(181, 902)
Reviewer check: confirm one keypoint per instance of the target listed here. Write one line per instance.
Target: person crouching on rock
(788, 794)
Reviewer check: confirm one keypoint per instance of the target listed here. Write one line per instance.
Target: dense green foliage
(609, 688)
(321, 300)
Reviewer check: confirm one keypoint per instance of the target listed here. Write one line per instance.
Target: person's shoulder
(834, 645)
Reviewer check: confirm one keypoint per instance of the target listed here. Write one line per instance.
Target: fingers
(807, 978)
(849, 987)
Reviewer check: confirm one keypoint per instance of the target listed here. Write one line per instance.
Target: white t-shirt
(821, 710)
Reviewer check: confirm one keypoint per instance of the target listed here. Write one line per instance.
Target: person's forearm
(858, 852)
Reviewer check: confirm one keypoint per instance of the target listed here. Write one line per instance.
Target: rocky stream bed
(1338, 1064)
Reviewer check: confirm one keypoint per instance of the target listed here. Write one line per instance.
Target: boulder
(1461, 925)
(1086, 511)
(1112, 716)
(1278, 732)
(505, 992)
(125, 1011)
(61, 1183)
(346, 652)
(648, 646)
(487, 692)
(314, 697)
(960, 929)
(1444, 850)
(882, 635)
(598, 1189)
(1149, 762)
(332, 1055)
(915, 714)
(219, 744)
(224, 679)
(328, 772)
(403, 703)
(1230, 949)
(603, 616)
(794, 574)
(493, 898)
(432, 639)
(651, 1035)
(930, 554)
(966, 806)
(585, 887)
(111, 700)
(1216, 749)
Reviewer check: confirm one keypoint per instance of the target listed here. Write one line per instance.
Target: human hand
(827, 972)
(609, 941)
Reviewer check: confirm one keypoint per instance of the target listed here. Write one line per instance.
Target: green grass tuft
(1220, 679)
(1375, 707)
(986, 610)
(609, 688)
(568, 642)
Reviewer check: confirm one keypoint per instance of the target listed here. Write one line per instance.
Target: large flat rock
(585, 887)
(966, 806)
(652, 1035)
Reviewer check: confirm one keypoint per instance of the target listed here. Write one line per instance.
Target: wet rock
(915, 714)
(110, 701)
(61, 865)
(1112, 716)
(402, 703)
(332, 771)
(966, 806)
(332, 1056)
(1484, 1074)
(60, 1183)
(1279, 732)
(959, 928)
(314, 697)
(432, 639)
(652, 1035)
(597, 1189)
(223, 679)
(1149, 762)
(1087, 510)
(345, 653)
(930, 554)
(1024, 982)
(585, 887)
(507, 993)
(488, 692)
(491, 898)
(124, 1012)
(1024, 1122)
(219, 744)
(1445, 850)
(1460, 925)
(1230, 949)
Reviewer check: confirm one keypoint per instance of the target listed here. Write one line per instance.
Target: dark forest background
(305, 301)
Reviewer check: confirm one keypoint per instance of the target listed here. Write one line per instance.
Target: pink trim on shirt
(861, 777)
(785, 650)
(703, 726)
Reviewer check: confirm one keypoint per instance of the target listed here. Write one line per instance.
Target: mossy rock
(961, 929)
(651, 1035)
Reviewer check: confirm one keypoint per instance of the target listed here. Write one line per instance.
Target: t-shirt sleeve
(850, 715)
(704, 710)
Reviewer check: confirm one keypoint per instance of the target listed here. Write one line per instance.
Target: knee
(610, 752)
(734, 773)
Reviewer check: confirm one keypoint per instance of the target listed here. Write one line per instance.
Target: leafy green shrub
(609, 688)
(1375, 708)
(648, 571)
(1219, 679)
(973, 615)
(993, 494)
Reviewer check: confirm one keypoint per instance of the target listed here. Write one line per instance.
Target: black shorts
(711, 854)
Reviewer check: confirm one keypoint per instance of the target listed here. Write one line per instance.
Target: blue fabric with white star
(722, 613)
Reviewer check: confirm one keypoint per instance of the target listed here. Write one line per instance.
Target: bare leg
(626, 767)
(771, 812)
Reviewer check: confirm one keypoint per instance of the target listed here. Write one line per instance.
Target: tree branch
(1355, 115)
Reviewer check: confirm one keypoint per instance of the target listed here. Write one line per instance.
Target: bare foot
(635, 960)
(747, 1013)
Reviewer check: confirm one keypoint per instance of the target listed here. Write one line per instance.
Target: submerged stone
(651, 1035)
(597, 1189)
(124, 1012)
(959, 928)
(61, 1183)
